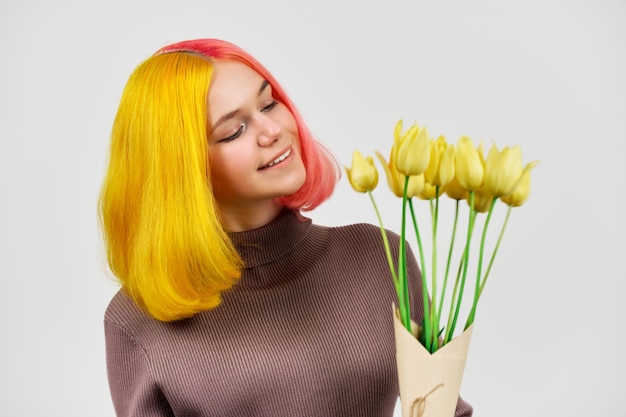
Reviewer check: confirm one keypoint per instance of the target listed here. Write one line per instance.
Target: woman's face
(254, 144)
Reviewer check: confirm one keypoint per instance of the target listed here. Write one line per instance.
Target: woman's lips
(278, 160)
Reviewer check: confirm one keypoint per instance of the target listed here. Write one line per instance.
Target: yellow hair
(163, 237)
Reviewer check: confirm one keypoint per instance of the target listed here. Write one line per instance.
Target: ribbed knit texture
(306, 332)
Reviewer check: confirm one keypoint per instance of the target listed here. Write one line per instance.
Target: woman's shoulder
(123, 312)
(360, 228)
(361, 233)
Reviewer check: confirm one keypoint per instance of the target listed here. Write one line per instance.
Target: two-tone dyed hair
(161, 227)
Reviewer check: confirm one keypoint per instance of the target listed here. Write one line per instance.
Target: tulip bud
(413, 153)
(440, 170)
(502, 170)
(482, 200)
(416, 186)
(469, 169)
(363, 175)
(522, 191)
(455, 191)
(395, 180)
(429, 192)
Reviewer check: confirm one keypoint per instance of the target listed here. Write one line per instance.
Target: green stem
(406, 318)
(470, 318)
(433, 274)
(453, 300)
(450, 250)
(426, 337)
(402, 305)
(495, 251)
(418, 237)
(383, 233)
(470, 229)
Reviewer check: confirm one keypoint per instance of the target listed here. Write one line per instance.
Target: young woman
(232, 303)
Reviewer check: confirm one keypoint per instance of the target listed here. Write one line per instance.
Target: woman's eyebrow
(264, 85)
(224, 118)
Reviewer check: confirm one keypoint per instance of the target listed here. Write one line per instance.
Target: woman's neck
(252, 216)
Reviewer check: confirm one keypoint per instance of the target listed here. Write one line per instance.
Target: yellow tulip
(428, 192)
(363, 175)
(522, 191)
(455, 191)
(468, 164)
(482, 200)
(416, 185)
(440, 170)
(412, 153)
(503, 170)
(395, 180)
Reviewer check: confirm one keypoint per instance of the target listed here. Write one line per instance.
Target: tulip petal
(363, 175)
(468, 164)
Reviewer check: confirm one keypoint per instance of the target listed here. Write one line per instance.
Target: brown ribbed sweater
(307, 331)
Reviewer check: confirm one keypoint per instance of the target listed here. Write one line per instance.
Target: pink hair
(322, 172)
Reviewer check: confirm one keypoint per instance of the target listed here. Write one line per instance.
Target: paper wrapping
(429, 383)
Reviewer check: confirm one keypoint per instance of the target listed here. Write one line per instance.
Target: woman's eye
(269, 106)
(234, 135)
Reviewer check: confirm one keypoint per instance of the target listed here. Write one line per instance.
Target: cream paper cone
(429, 383)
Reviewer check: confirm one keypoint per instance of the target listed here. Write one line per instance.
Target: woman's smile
(278, 160)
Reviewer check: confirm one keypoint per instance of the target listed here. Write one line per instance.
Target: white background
(548, 75)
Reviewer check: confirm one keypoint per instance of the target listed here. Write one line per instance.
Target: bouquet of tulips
(428, 169)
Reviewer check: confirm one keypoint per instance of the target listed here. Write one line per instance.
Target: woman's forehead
(233, 85)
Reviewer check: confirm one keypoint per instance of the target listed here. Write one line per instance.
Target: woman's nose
(269, 130)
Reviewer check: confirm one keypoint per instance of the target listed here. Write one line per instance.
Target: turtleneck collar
(270, 242)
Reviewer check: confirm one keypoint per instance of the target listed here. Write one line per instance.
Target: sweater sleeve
(133, 391)
(463, 409)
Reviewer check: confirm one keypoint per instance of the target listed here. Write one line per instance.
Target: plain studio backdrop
(548, 75)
